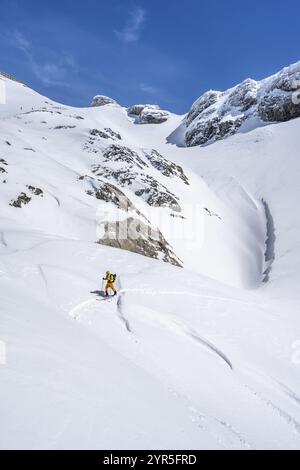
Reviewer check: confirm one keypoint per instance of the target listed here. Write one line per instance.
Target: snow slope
(196, 357)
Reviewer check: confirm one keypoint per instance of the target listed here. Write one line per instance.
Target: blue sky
(163, 51)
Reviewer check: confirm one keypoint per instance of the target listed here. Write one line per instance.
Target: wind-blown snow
(199, 357)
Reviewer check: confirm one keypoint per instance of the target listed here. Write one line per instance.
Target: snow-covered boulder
(216, 115)
(148, 113)
(136, 109)
(102, 100)
(153, 116)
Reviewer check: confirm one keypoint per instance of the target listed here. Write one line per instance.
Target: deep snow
(200, 357)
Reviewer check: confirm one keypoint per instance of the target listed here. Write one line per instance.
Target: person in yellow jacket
(110, 279)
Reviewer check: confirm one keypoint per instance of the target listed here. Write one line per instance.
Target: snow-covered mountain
(201, 347)
(216, 115)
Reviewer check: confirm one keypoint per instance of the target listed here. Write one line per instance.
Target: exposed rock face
(131, 172)
(136, 109)
(217, 115)
(102, 100)
(153, 116)
(35, 191)
(21, 200)
(120, 167)
(122, 154)
(148, 114)
(201, 104)
(278, 107)
(107, 133)
(107, 192)
(113, 134)
(166, 167)
(212, 129)
(138, 237)
(3, 163)
(243, 97)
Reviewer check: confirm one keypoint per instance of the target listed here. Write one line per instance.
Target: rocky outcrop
(132, 172)
(136, 109)
(3, 163)
(278, 107)
(216, 115)
(167, 168)
(153, 116)
(35, 191)
(21, 200)
(102, 100)
(107, 192)
(148, 114)
(107, 133)
(136, 236)
(122, 154)
(202, 104)
(211, 130)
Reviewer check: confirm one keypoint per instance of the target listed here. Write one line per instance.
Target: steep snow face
(216, 115)
(76, 172)
(179, 359)
(83, 182)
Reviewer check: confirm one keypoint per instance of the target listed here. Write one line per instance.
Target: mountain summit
(201, 346)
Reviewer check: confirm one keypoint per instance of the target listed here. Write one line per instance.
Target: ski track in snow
(277, 410)
(268, 402)
(197, 417)
(224, 178)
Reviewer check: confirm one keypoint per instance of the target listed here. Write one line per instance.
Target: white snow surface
(200, 357)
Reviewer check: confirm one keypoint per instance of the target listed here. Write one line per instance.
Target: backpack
(115, 277)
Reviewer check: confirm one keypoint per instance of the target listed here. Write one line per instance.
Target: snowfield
(204, 356)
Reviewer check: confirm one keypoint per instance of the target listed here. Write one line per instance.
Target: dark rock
(118, 153)
(211, 130)
(136, 109)
(102, 100)
(278, 107)
(166, 167)
(153, 116)
(217, 115)
(35, 191)
(112, 133)
(201, 104)
(244, 96)
(135, 236)
(22, 199)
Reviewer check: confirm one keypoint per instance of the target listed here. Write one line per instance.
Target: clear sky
(158, 51)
